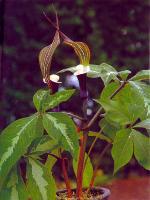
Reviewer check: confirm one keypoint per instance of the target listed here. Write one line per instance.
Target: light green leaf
(14, 141)
(141, 75)
(88, 171)
(124, 74)
(122, 150)
(144, 124)
(62, 129)
(142, 149)
(50, 162)
(40, 97)
(44, 101)
(45, 144)
(39, 182)
(100, 136)
(105, 71)
(68, 69)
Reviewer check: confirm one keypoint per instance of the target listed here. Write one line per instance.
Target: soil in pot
(96, 193)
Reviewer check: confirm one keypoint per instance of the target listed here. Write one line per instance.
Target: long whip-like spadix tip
(56, 26)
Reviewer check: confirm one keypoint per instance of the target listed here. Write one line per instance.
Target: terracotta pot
(101, 194)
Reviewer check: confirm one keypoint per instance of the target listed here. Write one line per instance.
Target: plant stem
(91, 147)
(66, 178)
(96, 169)
(80, 169)
(74, 116)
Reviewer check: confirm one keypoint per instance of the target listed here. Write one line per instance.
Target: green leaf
(44, 101)
(50, 162)
(144, 124)
(100, 136)
(40, 97)
(88, 171)
(109, 129)
(104, 71)
(126, 106)
(142, 149)
(108, 91)
(14, 141)
(141, 75)
(62, 129)
(15, 188)
(40, 182)
(124, 74)
(143, 90)
(70, 69)
(45, 144)
(122, 149)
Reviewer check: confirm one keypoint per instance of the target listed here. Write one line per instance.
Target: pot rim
(105, 192)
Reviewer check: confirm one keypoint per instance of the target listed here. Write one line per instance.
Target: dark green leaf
(40, 183)
(62, 129)
(143, 90)
(14, 141)
(122, 150)
(44, 101)
(45, 144)
(109, 129)
(15, 188)
(142, 149)
(40, 97)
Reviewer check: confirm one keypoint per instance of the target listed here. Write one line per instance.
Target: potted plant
(30, 146)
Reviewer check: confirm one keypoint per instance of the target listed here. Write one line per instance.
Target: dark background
(115, 30)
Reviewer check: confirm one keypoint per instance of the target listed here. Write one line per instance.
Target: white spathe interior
(81, 69)
(54, 78)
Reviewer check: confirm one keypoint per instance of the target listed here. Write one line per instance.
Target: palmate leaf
(126, 107)
(128, 141)
(141, 148)
(40, 183)
(43, 100)
(62, 129)
(107, 73)
(143, 91)
(45, 56)
(122, 150)
(14, 141)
